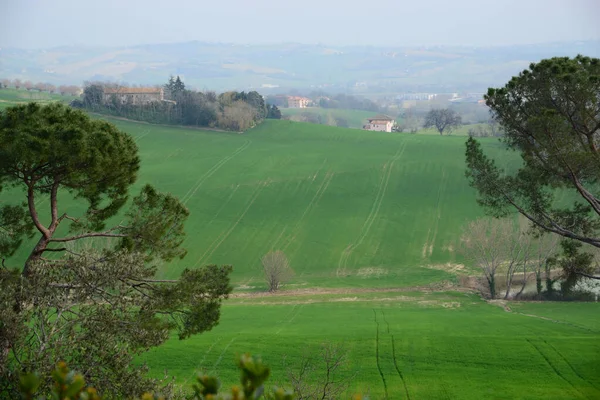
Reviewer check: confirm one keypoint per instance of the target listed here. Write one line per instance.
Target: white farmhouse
(380, 123)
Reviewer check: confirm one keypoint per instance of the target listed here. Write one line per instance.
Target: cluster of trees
(65, 90)
(325, 100)
(504, 249)
(442, 119)
(348, 102)
(550, 116)
(314, 117)
(237, 111)
(87, 293)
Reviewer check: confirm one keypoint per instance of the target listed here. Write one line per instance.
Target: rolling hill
(370, 223)
(348, 207)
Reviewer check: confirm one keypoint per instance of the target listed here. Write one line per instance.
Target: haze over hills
(278, 67)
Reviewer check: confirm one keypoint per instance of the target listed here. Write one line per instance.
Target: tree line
(65, 90)
(236, 111)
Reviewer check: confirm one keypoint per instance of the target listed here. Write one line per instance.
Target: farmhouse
(136, 96)
(380, 123)
(298, 102)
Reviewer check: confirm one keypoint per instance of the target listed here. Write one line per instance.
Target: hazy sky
(47, 23)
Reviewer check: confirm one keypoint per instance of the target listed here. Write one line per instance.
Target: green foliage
(70, 385)
(443, 119)
(550, 117)
(96, 309)
(273, 112)
(230, 110)
(44, 147)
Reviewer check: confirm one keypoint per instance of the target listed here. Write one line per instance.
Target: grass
(356, 212)
(349, 208)
(11, 97)
(355, 118)
(445, 345)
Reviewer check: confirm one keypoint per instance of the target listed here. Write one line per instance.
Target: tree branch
(33, 212)
(587, 275)
(89, 235)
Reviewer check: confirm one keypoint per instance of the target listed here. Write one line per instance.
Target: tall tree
(95, 304)
(443, 119)
(550, 115)
(178, 86)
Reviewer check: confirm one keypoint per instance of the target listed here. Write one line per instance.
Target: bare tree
(277, 269)
(28, 85)
(324, 375)
(17, 83)
(484, 242)
(443, 119)
(5, 83)
(544, 249)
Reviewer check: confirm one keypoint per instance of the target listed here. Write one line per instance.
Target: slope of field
(405, 345)
(349, 208)
(355, 118)
(11, 97)
(369, 222)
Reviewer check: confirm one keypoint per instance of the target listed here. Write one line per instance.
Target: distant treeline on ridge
(176, 105)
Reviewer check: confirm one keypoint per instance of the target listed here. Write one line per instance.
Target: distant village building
(380, 123)
(298, 102)
(135, 96)
(416, 96)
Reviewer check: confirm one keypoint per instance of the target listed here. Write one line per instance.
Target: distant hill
(272, 68)
(341, 203)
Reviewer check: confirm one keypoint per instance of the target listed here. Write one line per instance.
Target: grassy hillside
(407, 345)
(364, 218)
(10, 97)
(349, 208)
(355, 118)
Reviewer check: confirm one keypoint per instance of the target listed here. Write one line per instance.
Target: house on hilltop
(135, 96)
(380, 123)
(298, 102)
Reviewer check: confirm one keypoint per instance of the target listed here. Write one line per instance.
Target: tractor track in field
(224, 235)
(377, 355)
(211, 171)
(428, 248)
(385, 320)
(569, 364)
(556, 370)
(215, 217)
(143, 135)
(292, 314)
(223, 353)
(366, 227)
(398, 369)
(311, 205)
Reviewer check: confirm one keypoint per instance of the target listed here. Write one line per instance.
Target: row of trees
(65, 90)
(550, 115)
(236, 111)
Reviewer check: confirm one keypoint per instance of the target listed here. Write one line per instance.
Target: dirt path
(443, 287)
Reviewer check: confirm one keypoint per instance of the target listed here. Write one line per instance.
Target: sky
(50, 23)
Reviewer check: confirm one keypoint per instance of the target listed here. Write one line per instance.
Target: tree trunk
(492, 284)
(35, 255)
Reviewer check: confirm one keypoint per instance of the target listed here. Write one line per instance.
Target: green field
(10, 97)
(369, 222)
(349, 208)
(355, 118)
(407, 345)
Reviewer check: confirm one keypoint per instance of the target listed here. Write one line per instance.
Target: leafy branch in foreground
(550, 114)
(88, 293)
